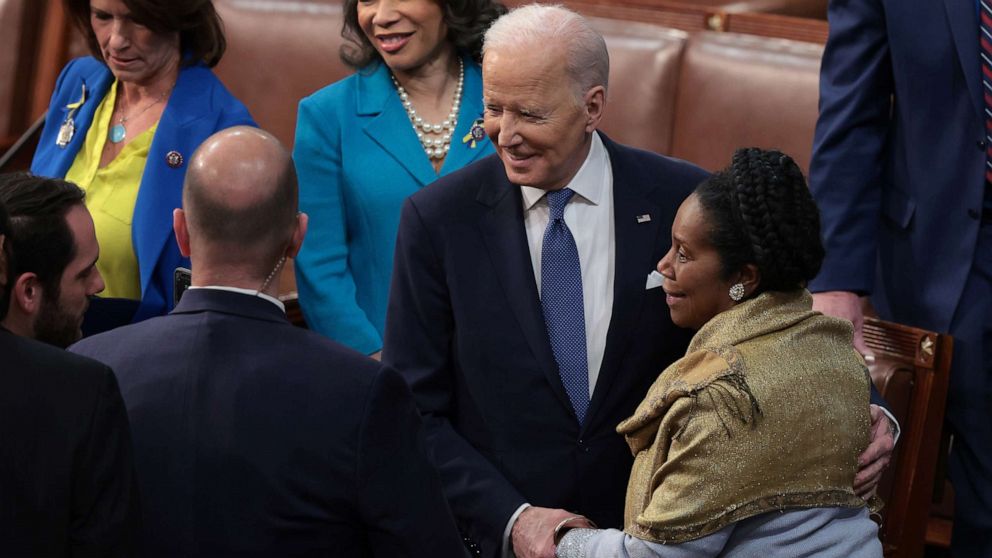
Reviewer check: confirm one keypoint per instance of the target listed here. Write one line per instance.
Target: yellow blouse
(111, 194)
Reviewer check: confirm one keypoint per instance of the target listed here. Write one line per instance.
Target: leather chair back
(271, 71)
(742, 91)
(10, 32)
(644, 72)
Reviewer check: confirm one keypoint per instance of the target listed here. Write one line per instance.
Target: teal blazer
(199, 106)
(358, 158)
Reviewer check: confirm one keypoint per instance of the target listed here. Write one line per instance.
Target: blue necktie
(561, 299)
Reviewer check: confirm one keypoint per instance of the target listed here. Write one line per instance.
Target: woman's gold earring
(737, 292)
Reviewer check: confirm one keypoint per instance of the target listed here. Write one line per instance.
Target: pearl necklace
(436, 148)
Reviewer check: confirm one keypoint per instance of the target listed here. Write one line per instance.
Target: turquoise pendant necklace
(118, 131)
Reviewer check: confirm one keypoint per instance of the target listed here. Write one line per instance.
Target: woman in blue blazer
(410, 114)
(137, 109)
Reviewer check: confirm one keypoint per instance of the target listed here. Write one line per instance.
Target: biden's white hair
(535, 27)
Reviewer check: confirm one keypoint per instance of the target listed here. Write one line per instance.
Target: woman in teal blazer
(197, 106)
(358, 155)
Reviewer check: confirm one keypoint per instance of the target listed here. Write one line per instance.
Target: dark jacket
(257, 438)
(67, 484)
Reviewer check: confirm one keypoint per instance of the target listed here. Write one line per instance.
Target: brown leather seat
(814, 9)
(10, 34)
(738, 90)
(20, 31)
(644, 71)
(278, 53)
(777, 26)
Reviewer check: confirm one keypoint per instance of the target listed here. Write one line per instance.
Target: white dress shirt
(589, 216)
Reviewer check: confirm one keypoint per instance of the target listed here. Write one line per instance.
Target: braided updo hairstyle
(761, 212)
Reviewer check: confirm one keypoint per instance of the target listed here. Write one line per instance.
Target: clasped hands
(533, 533)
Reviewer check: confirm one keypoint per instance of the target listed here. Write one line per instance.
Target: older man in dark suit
(67, 485)
(253, 437)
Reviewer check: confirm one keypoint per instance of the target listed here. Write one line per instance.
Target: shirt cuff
(507, 551)
(895, 424)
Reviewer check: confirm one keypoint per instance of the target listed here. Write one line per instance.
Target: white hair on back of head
(533, 27)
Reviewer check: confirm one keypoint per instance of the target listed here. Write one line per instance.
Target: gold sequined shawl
(768, 410)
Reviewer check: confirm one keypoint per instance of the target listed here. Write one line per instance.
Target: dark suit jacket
(899, 155)
(466, 329)
(67, 485)
(254, 437)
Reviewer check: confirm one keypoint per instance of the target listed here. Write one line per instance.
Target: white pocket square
(654, 280)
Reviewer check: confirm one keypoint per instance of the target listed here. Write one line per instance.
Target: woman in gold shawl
(748, 445)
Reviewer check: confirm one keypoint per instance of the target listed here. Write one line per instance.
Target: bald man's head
(240, 200)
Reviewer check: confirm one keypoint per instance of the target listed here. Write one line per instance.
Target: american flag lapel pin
(646, 218)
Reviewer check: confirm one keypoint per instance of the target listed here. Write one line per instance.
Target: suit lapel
(504, 235)
(390, 126)
(963, 19)
(634, 242)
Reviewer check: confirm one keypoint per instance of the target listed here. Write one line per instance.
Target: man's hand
(875, 459)
(534, 530)
(376, 356)
(845, 305)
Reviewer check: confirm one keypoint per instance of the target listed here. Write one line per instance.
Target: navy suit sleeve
(876, 398)
(420, 342)
(856, 86)
(400, 494)
(105, 493)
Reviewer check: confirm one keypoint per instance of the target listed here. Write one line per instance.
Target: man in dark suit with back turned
(254, 437)
(67, 485)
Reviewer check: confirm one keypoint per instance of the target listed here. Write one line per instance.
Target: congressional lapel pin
(646, 218)
(68, 128)
(476, 134)
(174, 159)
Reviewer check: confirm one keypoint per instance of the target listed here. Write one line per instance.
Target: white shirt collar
(586, 183)
(249, 292)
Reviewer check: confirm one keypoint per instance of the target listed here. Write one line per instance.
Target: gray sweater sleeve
(827, 532)
(611, 543)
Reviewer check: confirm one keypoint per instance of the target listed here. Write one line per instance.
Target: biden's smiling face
(541, 131)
